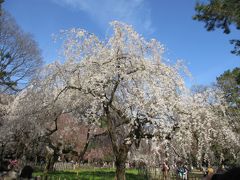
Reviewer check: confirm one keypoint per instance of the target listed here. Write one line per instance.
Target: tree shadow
(89, 175)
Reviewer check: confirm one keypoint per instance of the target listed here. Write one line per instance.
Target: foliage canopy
(220, 14)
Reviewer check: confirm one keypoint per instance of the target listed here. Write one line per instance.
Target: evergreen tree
(220, 14)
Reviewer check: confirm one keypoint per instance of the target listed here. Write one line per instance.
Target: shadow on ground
(88, 175)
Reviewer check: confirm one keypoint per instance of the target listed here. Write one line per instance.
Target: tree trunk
(82, 153)
(121, 157)
(51, 159)
(2, 152)
(48, 162)
(120, 171)
(120, 150)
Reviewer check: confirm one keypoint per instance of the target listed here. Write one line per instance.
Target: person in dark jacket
(26, 172)
(232, 174)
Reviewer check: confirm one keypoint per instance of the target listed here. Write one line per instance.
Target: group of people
(222, 174)
(181, 171)
(11, 170)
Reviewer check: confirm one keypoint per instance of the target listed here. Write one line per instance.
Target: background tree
(1, 1)
(37, 119)
(203, 125)
(19, 55)
(5, 105)
(229, 82)
(220, 14)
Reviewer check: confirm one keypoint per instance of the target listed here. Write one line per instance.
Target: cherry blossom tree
(36, 118)
(5, 104)
(126, 83)
(203, 125)
(204, 132)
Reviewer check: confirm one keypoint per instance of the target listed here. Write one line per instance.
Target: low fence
(62, 166)
(55, 177)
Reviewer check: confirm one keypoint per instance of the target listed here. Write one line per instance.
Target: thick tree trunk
(48, 163)
(121, 158)
(51, 159)
(120, 149)
(120, 170)
(51, 165)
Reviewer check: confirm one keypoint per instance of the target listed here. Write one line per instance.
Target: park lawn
(91, 174)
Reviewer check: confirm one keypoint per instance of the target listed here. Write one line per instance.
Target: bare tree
(1, 1)
(19, 55)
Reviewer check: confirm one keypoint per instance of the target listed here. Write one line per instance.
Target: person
(10, 175)
(26, 173)
(165, 170)
(216, 177)
(209, 173)
(182, 172)
(221, 169)
(4, 167)
(11, 172)
(232, 174)
(13, 164)
(185, 172)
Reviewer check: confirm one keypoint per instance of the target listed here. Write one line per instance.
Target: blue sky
(207, 54)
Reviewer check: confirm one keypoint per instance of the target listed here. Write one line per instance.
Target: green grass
(91, 174)
(100, 174)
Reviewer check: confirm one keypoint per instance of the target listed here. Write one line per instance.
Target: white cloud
(135, 12)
